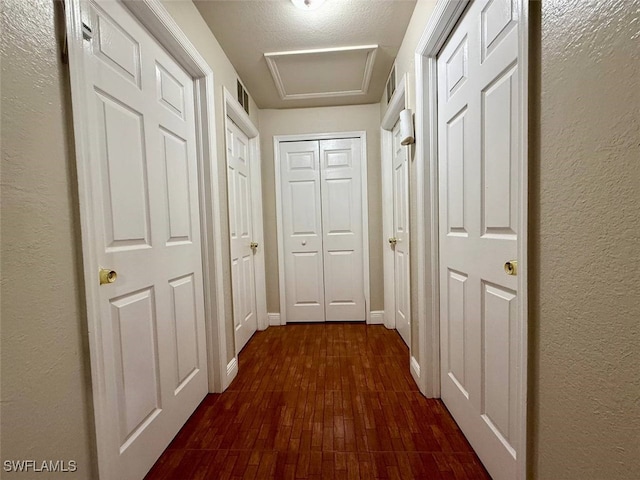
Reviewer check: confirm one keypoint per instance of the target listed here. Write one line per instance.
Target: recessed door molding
(277, 140)
(440, 26)
(155, 18)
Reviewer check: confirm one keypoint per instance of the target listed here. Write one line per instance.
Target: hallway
(320, 401)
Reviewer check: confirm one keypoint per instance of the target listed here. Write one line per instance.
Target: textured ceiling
(249, 29)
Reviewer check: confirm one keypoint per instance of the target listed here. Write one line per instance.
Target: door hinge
(87, 33)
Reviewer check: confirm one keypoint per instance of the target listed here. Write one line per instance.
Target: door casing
(155, 18)
(277, 139)
(397, 103)
(442, 23)
(234, 112)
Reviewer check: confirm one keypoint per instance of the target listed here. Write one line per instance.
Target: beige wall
(405, 61)
(46, 399)
(322, 120)
(584, 237)
(405, 65)
(190, 21)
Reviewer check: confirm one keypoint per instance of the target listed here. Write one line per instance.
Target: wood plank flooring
(321, 401)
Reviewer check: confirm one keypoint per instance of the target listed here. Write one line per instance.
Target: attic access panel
(331, 72)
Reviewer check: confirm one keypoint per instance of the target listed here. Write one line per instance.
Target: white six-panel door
(321, 214)
(241, 232)
(146, 215)
(401, 236)
(478, 145)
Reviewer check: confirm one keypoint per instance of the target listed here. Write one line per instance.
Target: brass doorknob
(393, 241)
(511, 267)
(253, 246)
(107, 276)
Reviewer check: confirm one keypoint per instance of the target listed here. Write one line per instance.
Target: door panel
(134, 325)
(124, 170)
(478, 145)
(241, 227)
(184, 318)
(302, 231)
(401, 234)
(174, 153)
(146, 215)
(342, 229)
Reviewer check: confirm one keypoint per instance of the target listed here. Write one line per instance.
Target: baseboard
(232, 371)
(377, 317)
(415, 370)
(274, 319)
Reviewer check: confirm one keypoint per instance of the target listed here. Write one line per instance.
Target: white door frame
(152, 15)
(234, 112)
(365, 211)
(397, 103)
(442, 23)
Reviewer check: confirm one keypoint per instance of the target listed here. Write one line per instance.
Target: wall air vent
(243, 97)
(391, 84)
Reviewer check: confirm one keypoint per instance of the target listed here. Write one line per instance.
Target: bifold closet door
(321, 192)
(341, 189)
(302, 231)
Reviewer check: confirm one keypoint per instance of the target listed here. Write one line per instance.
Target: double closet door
(322, 230)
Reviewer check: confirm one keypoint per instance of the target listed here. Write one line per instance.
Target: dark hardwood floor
(321, 401)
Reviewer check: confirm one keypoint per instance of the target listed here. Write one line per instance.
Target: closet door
(340, 166)
(302, 231)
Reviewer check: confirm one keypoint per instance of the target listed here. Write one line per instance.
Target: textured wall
(46, 400)
(585, 235)
(190, 21)
(322, 120)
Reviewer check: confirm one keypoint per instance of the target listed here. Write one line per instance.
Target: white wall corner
(232, 372)
(415, 369)
(274, 319)
(377, 317)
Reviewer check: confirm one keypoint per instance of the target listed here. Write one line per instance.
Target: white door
(341, 189)
(241, 231)
(321, 192)
(400, 240)
(302, 231)
(479, 144)
(146, 213)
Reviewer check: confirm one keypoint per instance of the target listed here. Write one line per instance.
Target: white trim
(377, 317)
(271, 59)
(232, 372)
(274, 319)
(440, 26)
(391, 116)
(523, 245)
(277, 139)
(397, 103)
(414, 367)
(389, 319)
(233, 111)
(153, 15)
